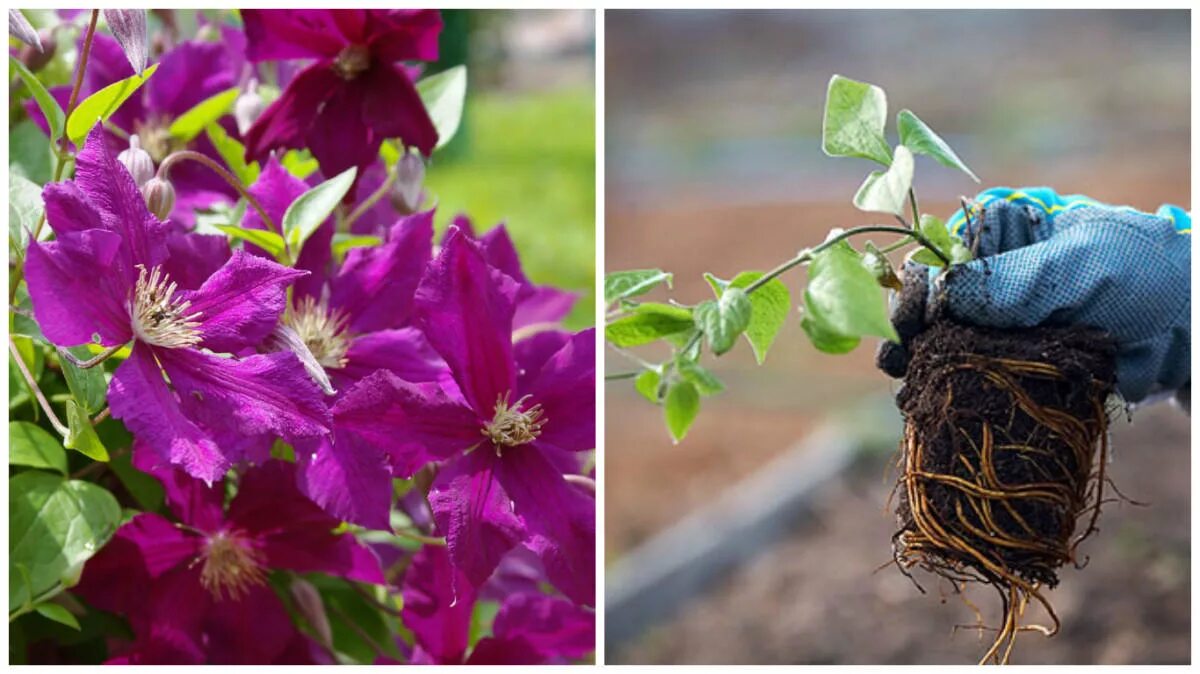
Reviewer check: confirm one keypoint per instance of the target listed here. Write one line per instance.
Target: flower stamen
(323, 331)
(352, 61)
(511, 426)
(231, 566)
(159, 317)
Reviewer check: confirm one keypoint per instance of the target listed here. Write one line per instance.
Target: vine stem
(371, 200)
(59, 162)
(365, 594)
(427, 540)
(37, 392)
(176, 157)
(91, 362)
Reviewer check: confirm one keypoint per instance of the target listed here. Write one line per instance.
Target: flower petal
(188, 74)
(253, 630)
(542, 306)
(195, 257)
(375, 285)
(393, 108)
(76, 289)
(403, 352)
(561, 520)
(536, 629)
(193, 501)
(414, 423)
(241, 303)
(438, 604)
(139, 397)
(286, 122)
(68, 209)
(405, 34)
(350, 481)
(275, 190)
(465, 308)
(266, 394)
(281, 34)
(294, 532)
(566, 389)
(476, 516)
(339, 138)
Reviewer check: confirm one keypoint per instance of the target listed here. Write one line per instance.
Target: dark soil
(999, 474)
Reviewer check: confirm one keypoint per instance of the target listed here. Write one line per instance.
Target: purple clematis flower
(529, 629)
(504, 429)
(186, 76)
(355, 95)
(103, 281)
(195, 591)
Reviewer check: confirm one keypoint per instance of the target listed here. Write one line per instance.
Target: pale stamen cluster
(322, 331)
(231, 567)
(159, 317)
(352, 61)
(511, 426)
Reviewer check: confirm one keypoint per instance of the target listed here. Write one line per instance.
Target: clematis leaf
(885, 191)
(300, 164)
(310, 209)
(621, 285)
(268, 241)
(444, 95)
(681, 407)
(81, 435)
(725, 319)
(31, 445)
(344, 242)
(705, 381)
(55, 525)
(855, 114)
(647, 383)
(24, 211)
(918, 137)
(58, 613)
(647, 323)
(88, 386)
(129, 27)
(843, 302)
(770, 305)
(101, 105)
(189, 125)
(50, 108)
(233, 152)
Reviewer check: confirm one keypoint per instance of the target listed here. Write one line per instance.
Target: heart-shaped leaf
(885, 191)
(724, 319)
(855, 114)
(918, 137)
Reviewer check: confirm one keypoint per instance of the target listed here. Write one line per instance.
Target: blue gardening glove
(1046, 259)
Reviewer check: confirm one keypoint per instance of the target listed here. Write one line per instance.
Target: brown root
(1002, 461)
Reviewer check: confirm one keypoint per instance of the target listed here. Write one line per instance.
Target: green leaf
(877, 263)
(934, 229)
(29, 153)
(24, 210)
(706, 382)
(81, 435)
(55, 525)
(770, 305)
(927, 257)
(855, 114)
(647, 383)
(959, 253)
(145, 489)
(88, 386)
(483, 615)
(268, 241)
(918, 137)
(50, 108)
(621, 285)
(30, 445)
(233, 153)
(443, 95)
(58, 613)
(717, 284)
(725, 319)
(205, 113)
(300, 163)
(682, 406)
(843, 302)
(101, 105)
(312, 208)
(343, 242)
(885, 191)
(649, 322)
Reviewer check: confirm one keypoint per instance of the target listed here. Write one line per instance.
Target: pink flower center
(511, 426)
(231, 566)
(352, 61)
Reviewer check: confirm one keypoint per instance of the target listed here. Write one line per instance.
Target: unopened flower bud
(160, 197)
(248, 107)
(407, 194)
(34, 58)
(138, 161)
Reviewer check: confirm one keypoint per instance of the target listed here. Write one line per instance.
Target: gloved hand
(1116, 269)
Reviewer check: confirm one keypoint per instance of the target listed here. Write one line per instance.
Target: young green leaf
(88, 386)
(233, 152)
(649, 322)
(54, 526)
(81, 435)
(855, 114)
(843, 302)
(769, 305)
(268, 241)
(24, 210)
(58, 613)
(313, 207)
(918, 137)
(877, 263)
(647, 383)
(344, 242)
(724, 319)
(30, 445)
(706, 382)
(50, 108)
(621, 285)
(205, 113)
(681, 407)
(717, 283)
(443, 95)
(885, 191)
(101, 105)
(29, 152)
(300, 163)
(933, 229)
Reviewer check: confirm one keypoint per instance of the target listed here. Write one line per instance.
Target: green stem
(37, 392)
(176, 157)
(91, 362)
(427, 540)
(912, 200)
(621, 375)
(371, 200)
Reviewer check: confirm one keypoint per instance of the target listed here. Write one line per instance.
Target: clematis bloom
(103, 281)
(195, 591)
(354, 95)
